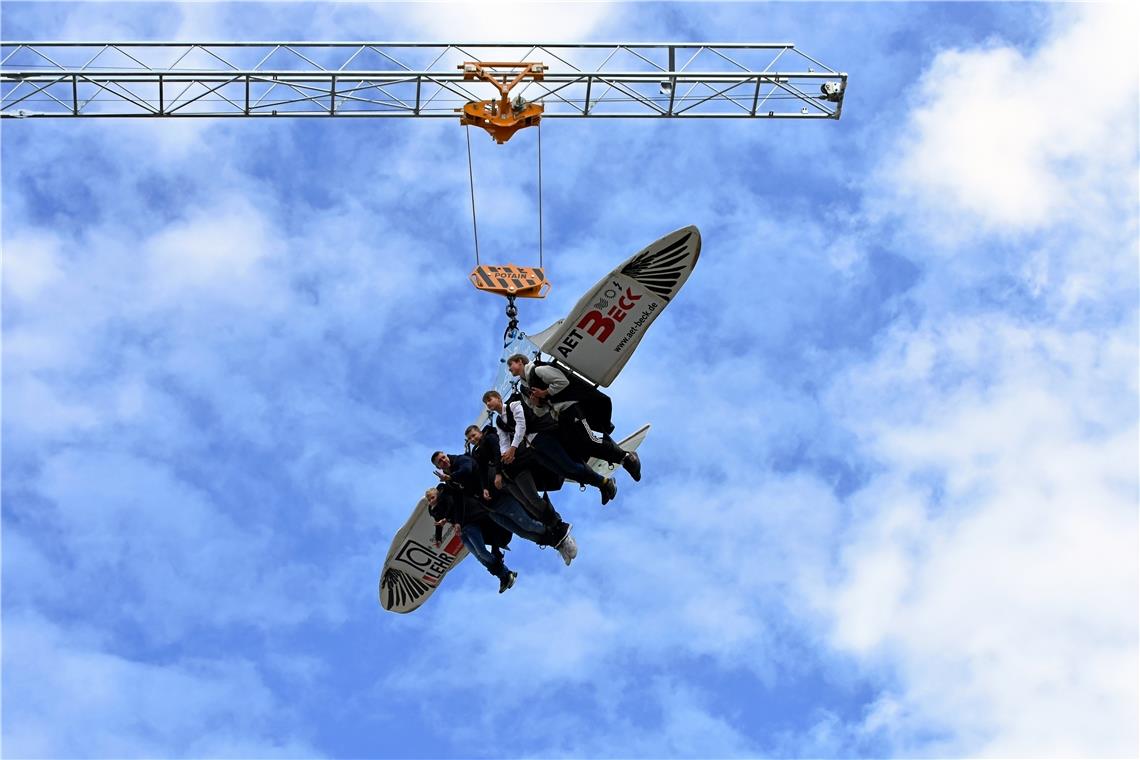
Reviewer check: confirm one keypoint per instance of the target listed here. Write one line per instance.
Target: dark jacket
(487, 457)
(460, 498)
(455, 507)
(465, 473)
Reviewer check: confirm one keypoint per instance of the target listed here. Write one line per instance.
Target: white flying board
(414, 567)
(606, 325)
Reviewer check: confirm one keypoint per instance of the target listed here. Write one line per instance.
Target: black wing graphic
(659, 271)
(402, 588)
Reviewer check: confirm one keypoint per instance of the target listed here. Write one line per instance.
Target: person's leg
(472, 538)
(522, 487)
(606, 449)
(572, 434)
(553, 511)
(598, 409)
(510, 514)
(551, 452)
(544, 478)
(578, 442)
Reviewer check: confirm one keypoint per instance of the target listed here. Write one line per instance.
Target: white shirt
(506, 440)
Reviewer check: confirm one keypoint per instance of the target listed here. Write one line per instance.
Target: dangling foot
(507, 581)
(567, 547)
(608, 489)
(632, 465)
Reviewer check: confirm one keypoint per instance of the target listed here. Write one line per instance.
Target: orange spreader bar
(501, 118)
(511, 280)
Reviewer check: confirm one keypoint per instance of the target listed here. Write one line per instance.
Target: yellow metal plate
(511, 280)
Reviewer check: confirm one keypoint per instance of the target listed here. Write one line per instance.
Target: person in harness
(518, 424)
(574, 400)
(483, 447)
(448, 503)
(523, 476)
(462, 471)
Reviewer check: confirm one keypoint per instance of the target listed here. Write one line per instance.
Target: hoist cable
(540, 195)
(471, 179)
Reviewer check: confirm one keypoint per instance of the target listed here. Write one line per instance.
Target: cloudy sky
(890, 496)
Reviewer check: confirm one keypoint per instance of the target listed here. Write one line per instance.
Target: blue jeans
(472, 538)
(507, 512)
(552, 454)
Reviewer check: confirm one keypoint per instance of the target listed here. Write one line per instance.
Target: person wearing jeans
(448, 504)
(543, 525)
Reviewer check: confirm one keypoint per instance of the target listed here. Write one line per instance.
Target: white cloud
(167, 546)
(51, 412)
(991, 568)
(30, 264)
(507, 21)
(220, 249)
(1015, 140)
(77, 698)
(994, 564)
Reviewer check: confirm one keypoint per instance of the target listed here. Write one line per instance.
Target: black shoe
(608, 489)
(507, 581)
(632, 465)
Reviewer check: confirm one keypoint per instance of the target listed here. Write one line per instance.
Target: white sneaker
(568, 549)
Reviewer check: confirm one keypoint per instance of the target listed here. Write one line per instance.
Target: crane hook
(512, 317)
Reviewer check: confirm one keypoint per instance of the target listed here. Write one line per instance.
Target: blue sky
(890, 496)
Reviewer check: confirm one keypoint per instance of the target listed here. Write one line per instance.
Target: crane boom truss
(386, 79)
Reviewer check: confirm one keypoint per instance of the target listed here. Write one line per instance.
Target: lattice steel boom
(404, 79)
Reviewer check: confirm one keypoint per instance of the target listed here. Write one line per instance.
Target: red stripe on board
(453, 545)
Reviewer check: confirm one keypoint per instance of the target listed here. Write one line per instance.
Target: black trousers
(580, 444)
(598, 410)
(527, 460)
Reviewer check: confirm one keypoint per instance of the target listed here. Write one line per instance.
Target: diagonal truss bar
(115, 89)
(175, 109)
(360, 79)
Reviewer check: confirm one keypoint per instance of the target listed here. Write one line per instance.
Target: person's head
(431, 495)
(493, 401)
(516, 364)
(441, 461)
(473, 435)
